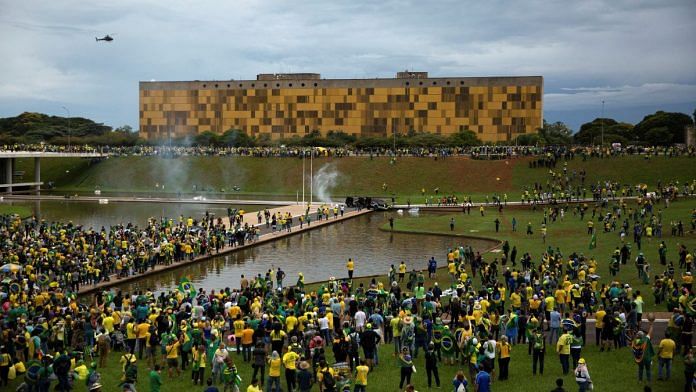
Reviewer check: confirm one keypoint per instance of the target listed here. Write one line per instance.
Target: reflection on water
(93, 214)
(318, 254)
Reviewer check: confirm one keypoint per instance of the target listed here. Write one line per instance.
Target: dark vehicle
(366, 202)
(378, 204)
(107, 38)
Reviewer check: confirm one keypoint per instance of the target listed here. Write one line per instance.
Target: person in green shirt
(155, 379)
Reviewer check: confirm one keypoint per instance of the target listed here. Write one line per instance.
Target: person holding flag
(187, 288)
(593, 241)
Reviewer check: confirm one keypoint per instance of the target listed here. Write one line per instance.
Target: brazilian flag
(593, 241)
(186, 287)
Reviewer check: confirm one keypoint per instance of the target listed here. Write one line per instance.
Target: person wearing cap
(369, 340)
(304, 377)
(582, 376)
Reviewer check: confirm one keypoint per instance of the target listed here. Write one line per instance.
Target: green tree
(556, 133)
(530, 139)
(674, 123)
(658, 136)
(236, 138)
(464, 138)
(206, 138)
(614, 131)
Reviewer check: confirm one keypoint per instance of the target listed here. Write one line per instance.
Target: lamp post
(602, 122)
(68, 111)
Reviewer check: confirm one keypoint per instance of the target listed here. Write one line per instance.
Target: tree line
(659, 128)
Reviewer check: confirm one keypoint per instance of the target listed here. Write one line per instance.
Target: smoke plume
(324, 180)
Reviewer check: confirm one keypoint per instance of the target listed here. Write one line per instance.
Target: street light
(602, 122)
(68, 111)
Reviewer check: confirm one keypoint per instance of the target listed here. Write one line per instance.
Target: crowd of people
(547, 156)
(294, 337)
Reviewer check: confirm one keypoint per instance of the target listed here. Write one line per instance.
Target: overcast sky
(637, 56)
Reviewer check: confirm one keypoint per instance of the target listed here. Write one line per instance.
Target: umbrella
(10, 267)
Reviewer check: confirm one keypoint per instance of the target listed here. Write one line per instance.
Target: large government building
(285, 105)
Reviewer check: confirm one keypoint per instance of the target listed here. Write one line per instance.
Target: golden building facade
(285, 105)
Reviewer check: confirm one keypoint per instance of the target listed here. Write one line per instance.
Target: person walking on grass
(563, 350)
(406, 367)
(504, 349)
(538, 342)
(643, 353)
(459, 382)
(361, 376)
(582, 376)
(155, 379)
(431, 365)
(665, 352)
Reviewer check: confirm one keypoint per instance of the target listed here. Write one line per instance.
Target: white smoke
(324, 180)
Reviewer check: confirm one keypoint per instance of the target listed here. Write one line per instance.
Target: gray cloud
(642, 50)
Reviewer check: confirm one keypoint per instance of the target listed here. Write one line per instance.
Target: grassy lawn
(19, 210)
(355, 175)
(570, 235)
(614, 371)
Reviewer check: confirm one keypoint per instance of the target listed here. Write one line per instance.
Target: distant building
(287, 105)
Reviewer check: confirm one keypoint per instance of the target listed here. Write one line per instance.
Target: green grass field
(355, 175)
(19, 210)
(612, 371)
(570, 235)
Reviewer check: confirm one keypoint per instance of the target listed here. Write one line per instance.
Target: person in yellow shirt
(350, 266)
(254, 386)
(274, 364)
(503, 348)
(563, 350)
(665, 353)
(290, 321)
(199, 358)
(516, 300)
(130, 335)
(172, 355)
(560, 295)
(402, 271)
(323, 369)
(599, 325)
(238, 326)
(108, 323)
(290, 359)
(361, 376)
(247, 342)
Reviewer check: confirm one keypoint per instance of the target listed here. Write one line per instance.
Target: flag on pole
(186, 287)
(593, 241)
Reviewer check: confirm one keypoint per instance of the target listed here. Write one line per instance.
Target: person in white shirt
(360, 318)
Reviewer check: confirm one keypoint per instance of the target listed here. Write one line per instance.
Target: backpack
(328, 380)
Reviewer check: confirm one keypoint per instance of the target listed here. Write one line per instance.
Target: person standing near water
(350, 265)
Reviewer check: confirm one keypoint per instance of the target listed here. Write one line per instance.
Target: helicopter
(107, 38)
